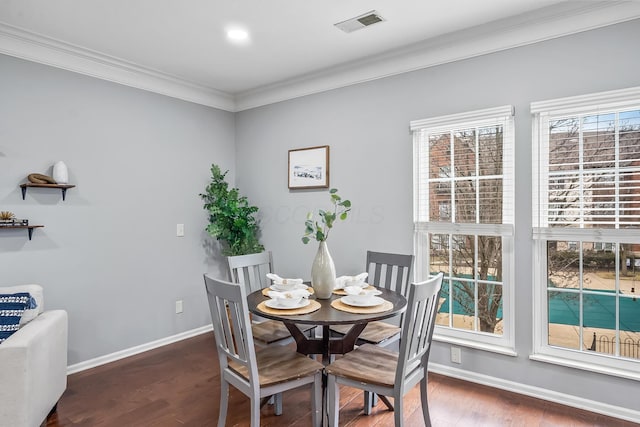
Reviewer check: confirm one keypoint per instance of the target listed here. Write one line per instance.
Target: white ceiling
(179, 48)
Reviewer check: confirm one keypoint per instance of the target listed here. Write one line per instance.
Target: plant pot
(323, 273)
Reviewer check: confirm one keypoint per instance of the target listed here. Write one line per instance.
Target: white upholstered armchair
(33, 363)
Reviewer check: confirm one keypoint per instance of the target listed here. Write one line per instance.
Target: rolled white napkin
(279, 280)
(296, 293)
(342, 281)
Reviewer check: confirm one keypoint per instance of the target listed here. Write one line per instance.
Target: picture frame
(309, 167)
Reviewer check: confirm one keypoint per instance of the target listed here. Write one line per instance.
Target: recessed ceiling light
(237, 35)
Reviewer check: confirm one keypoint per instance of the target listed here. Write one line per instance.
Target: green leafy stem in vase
(319, 230)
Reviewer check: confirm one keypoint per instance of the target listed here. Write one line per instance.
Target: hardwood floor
(178, 385)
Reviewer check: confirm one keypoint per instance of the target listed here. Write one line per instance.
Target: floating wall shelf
(28, 227)
(62, 187)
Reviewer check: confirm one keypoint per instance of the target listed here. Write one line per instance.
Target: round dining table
(326, 316)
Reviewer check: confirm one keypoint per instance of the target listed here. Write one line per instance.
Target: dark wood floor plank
(178, 385)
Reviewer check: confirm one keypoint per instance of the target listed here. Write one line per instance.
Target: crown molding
(45, 50)
(563, 19)
(549, 23)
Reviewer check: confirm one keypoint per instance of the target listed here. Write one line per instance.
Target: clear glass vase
(323, 273)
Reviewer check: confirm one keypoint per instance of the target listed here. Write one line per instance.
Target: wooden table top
(328, 315)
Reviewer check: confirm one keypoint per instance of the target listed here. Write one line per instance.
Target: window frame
(504, 115)
(542, 112)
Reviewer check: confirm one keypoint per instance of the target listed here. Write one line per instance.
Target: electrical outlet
(179, 306)
(456, 356)
(180, 230)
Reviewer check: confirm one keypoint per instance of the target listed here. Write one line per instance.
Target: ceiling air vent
(359, 22)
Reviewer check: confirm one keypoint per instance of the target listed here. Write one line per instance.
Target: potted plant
(323, 271)
(231, 219)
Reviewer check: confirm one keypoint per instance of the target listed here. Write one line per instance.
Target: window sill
(586, 366)
(493, 348)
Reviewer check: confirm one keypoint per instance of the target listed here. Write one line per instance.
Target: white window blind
(588, 168)
(462, 162)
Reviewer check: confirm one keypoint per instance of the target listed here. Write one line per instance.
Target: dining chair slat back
(250, 270)
(417, 331)
(231, 323)
(401, 371)
(255, 374)
(390, 271)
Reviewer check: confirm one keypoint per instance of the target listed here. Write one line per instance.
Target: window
(586, 220)
(463, 218)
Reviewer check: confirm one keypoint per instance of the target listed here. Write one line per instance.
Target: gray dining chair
(390, 271)
(258, 374)
(385, 372)
(250, 271)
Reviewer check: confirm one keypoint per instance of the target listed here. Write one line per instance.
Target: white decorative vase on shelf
(323, 273)
(60, 173)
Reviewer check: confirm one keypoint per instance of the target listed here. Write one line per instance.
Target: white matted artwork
(309, 167)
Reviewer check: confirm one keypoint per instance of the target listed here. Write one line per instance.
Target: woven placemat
(339, 305)
(265, 291)
(313, 306)
(343, 293)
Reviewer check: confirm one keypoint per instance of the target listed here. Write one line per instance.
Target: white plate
(276, 287)
(271, 303)
(341, 287)
(371, 303)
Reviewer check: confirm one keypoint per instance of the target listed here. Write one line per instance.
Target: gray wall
(109, 254)
(366, 126)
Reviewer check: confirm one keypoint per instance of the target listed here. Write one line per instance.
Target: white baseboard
(92, 363)
(540, 393)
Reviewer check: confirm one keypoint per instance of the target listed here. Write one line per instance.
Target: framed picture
(309, 167)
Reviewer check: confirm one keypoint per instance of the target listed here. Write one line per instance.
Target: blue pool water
(599, 310)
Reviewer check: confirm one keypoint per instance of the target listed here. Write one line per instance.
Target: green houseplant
(231, 218)
(323, 271)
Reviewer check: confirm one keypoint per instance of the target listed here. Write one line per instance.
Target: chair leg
(333, 401)
(224, 400)
(317, 414)
(368, 402)
(398, 412)
(255, 411)
(277, 398)
(424, 401)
